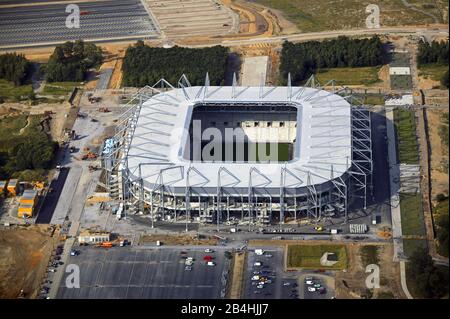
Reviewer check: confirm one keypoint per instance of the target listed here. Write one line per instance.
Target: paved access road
(145, 273)
(51, 198)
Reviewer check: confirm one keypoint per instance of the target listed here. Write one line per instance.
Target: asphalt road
(47, 23)
(137, 273)
(51, 199)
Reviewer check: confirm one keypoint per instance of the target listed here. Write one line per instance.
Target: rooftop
(321, 153)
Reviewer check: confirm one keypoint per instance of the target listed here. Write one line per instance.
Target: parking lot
(277, 284)
(316, 286)
(46, 23)
(148, 273)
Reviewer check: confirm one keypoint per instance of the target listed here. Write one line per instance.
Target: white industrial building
(158, 165)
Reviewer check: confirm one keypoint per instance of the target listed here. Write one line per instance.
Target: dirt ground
(439, 155)
(237, 275)
(182, 240)
(58, 118)
(351, 283)
(24, 254)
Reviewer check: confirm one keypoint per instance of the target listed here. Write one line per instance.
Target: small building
(3, 187)
(90, 237)
(29, 196)
(13, 187)
(25, 210)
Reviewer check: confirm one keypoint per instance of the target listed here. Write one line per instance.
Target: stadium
(231, 154)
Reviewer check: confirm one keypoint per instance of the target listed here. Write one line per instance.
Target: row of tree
(14, 67)
(429, 280)
(436, 52)
(144, 65)
(31, 150)
(304, 59)
(71, 61)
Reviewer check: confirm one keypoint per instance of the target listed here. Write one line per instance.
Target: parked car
(311, 289)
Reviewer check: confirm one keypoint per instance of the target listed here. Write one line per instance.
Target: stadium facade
(152, 166)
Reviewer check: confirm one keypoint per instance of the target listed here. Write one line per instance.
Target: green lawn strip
(308, 256)
(59, 88)
(349, 76)
(407, 147)
(412, 214)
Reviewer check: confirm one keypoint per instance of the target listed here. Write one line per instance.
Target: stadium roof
(322, 150)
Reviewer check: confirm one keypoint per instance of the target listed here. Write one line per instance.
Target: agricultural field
(323, 15)
(308, 256)
(350, 76)
(405, 126)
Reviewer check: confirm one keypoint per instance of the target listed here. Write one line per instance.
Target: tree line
(14, 67)
(429, 280)
(33, 150)
(434, 53)
(304, 59)
(144, 65)
(71, 61)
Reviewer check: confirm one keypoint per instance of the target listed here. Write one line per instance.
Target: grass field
(401, 82)
(308, 256)
(412, 214)
(10, 92)
(12, 125)
(405, 126)
(369, 255)
(411, 245)
(321, 15)
(60, 88)
(283, 152)
(374, 99)
(433, 71)
(349, 76)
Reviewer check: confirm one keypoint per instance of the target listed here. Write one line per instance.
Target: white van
(259, 252)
